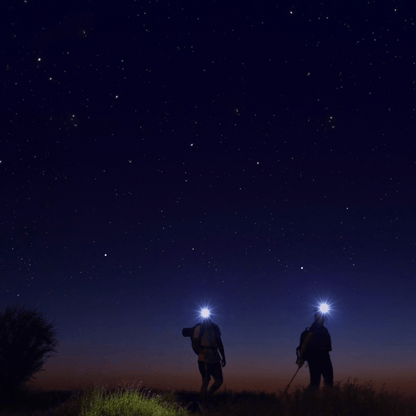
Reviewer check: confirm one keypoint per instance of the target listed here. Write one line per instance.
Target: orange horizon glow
(74, 374)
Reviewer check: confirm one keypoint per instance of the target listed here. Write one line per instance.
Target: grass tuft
(125, 400)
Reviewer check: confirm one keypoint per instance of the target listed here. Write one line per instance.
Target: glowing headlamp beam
(324, 308)
(205, 313)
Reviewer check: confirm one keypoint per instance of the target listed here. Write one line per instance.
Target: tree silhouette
(26, 341)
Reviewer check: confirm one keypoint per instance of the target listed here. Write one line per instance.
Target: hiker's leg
(205, 379)
(327, 371)
(315, 373)
(216, 372)
(214, 387)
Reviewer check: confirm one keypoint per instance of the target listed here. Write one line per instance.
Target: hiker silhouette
(314, 348)
(207, 343)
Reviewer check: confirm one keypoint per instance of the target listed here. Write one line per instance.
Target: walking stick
(290, 382)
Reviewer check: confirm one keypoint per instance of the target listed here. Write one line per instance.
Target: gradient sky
(156, 157)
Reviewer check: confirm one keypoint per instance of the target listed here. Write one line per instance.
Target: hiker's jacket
(207, 337)
(318, 341)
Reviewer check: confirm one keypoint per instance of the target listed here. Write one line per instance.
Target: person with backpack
(206, 342)
(315, 345)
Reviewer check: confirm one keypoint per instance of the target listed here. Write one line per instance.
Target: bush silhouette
(26, 341)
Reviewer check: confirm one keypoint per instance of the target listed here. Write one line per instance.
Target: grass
(348, 399)
(127, 402)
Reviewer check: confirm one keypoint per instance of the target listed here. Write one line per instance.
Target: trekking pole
(290, 382)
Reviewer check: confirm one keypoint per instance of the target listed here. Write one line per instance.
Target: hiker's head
(319, 318)
(207, 323)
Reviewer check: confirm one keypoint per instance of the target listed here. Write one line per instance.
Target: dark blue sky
(159, 156)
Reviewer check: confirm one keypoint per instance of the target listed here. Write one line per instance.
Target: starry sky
(159, 156)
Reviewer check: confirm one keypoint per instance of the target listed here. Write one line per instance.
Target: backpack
(189, 332)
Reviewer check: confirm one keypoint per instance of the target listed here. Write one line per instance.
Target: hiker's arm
(308, 339)
(221, 349)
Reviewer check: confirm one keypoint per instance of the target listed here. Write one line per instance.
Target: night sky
(159, 156)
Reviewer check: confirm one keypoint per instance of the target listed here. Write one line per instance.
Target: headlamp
(323, 308)
(205, 313)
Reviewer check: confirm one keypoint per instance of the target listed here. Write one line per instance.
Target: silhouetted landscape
(348, 398)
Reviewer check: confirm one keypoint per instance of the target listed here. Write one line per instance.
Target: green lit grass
(127, 403)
